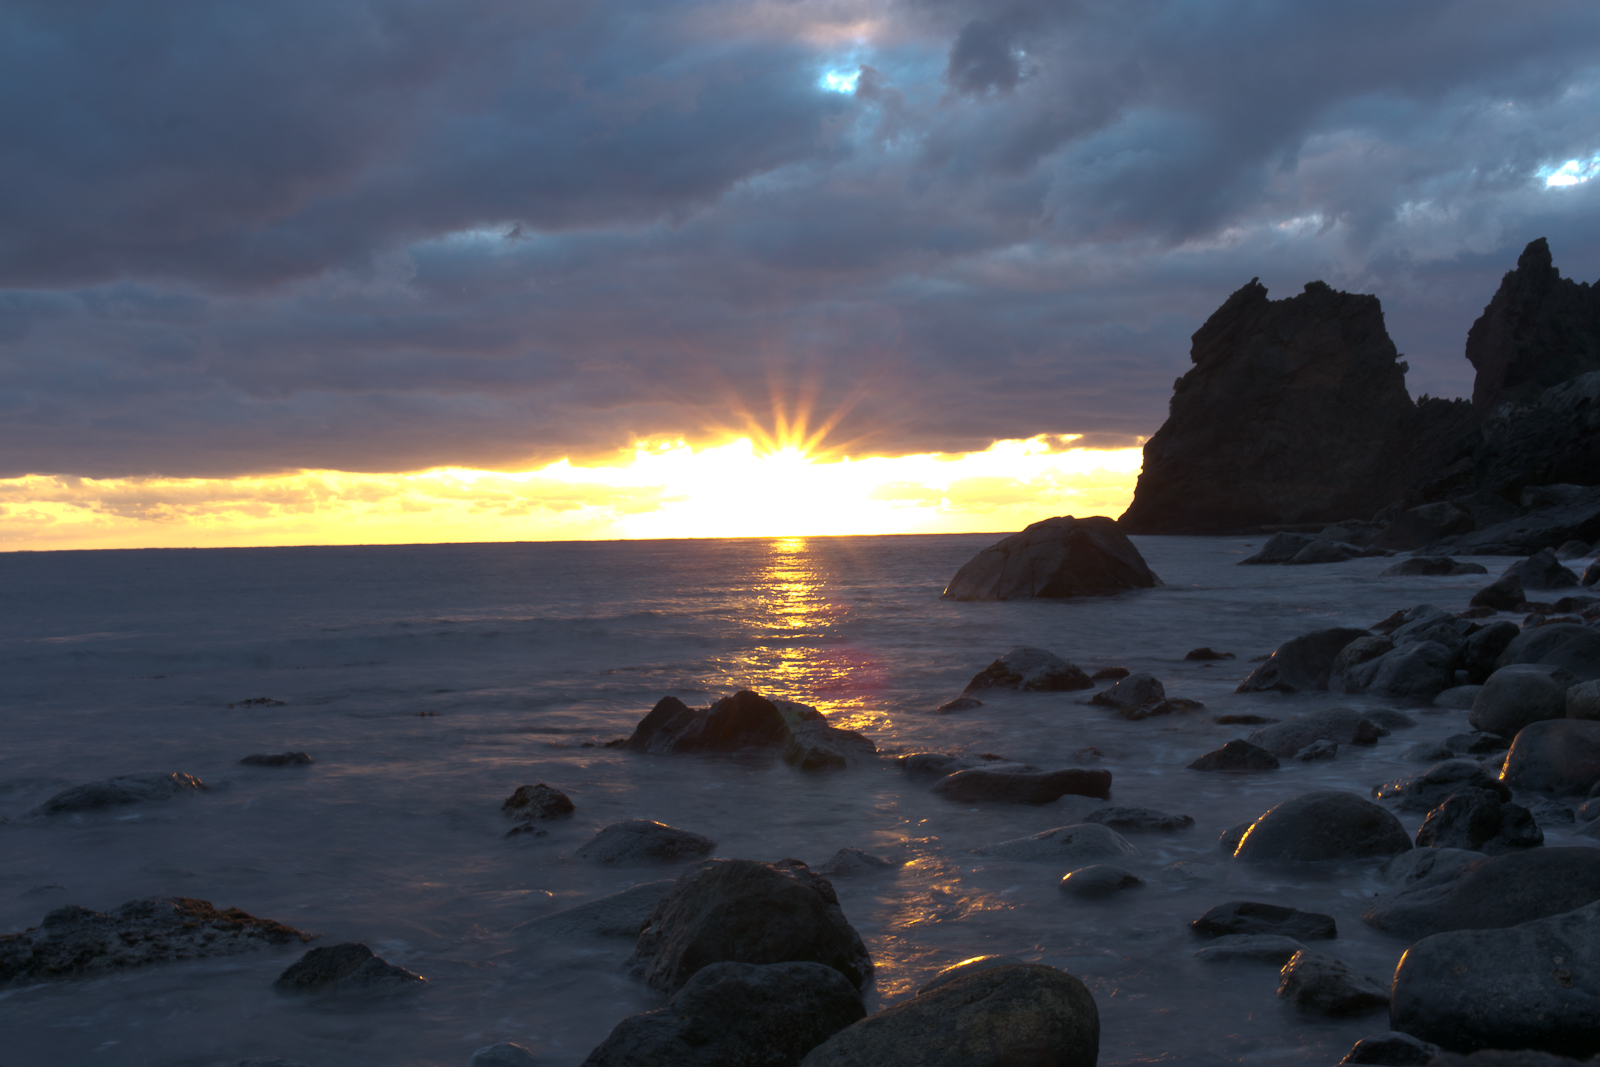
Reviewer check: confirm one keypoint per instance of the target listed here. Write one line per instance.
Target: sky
(343, 271)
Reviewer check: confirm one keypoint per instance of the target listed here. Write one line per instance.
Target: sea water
(428, 682)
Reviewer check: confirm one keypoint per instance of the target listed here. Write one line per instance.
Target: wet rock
(1206, 654)
(1432, 565)
(1542, 571)
(1427, 752)
(959, 704)
(1228, 840)
(1248, 917)
(1134, 691)
(1355, 664)
(1391, 1049)
(1428, 789)
(1459, 697)
(1519, 694)
(536, 803)
(1560, 756)
(749, 720)
(1139, 820)
(1420, 863)
(1571, 646)
(74, 942)
(119, 792)
(1243, 720)
(1477, 819)
(1281, 547)
(1572, 550)
(641, 841)
(995, 1017)
(1236, 755)
(1054, 559)
(1481, 654)
(1251, 948)
(1322, 551)
(347, 968)
(1098, 881)
(279, 759)
(1490, 893)
(1425, 622)
(1077, 845)
(505, 1054)
(736, 1014)
(1389, 719)
(1032, 670)
(1301, 664)
(1525, 986)
(620, 914)
(849, 861)
(1502, 594)
(1417, 671)
(1022, 787)
(1583, 701)
(939, 764)
(966, 967)
(1169, 706)
(1344, 726)
(747, 912)
(1591, 574)
(816, 746)
(1324, 825)
(1314, 982)
(1576, 603)
(1316, 751)
(1477, 743)
(1495, 1057)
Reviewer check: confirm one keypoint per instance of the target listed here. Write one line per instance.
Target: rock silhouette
(1054, 559)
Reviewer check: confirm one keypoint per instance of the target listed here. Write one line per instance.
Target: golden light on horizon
(764, 485)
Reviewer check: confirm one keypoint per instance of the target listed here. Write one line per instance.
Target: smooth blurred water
(430, 681)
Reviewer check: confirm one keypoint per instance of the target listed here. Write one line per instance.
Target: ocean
(428, 682)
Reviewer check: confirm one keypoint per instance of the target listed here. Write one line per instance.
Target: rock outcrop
(1054, 559)
(1539, 330)
(748, 720)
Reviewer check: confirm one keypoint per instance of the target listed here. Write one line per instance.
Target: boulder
(74, 942)
(1477, 819)
(1531, 985)
(1110, 674)
(939, 764)
(736, 1014)
(1133, 692)
(1489, 893)
(535, 803)
(1391, 1049)
(1098, 881)
(1020, 786)
(1481, 654)
(1237, 755)
(1077, 845)
(748, 720)
(1317, 750)
(1324, 825)
(1139, 820)
(849, 861)
(1551, 523)
(1248, 917)
(1301, 664)
(1206, 654)
(1420, 863)
(1428, 789)
(1583, 700)
(1344, 726)
(1054, 559)
(505, 1054)
(1591, 574)
(965, 967)
(1317, 381)
(1475, 744)
(1571, 646)
(1356, 663)
(278, 759)
(1250, 948)
(1426, 524)
(119, 792)
(1561, 756)
(1542, 571)
(346, 968)
(1321, 551)
(1431, 565)
(1024, 1013)
(747, 912)
(1459, 697)
(958, 704)
(1322, 984)
(640, 841)
(1281, 547)
(1032, 670)
(1519, 694)
(1416, 671)
(1502, 594)
(620, 914)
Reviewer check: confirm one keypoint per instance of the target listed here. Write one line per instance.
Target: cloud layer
(340, 234)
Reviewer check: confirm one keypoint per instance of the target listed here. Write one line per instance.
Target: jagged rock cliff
(1292, 413)
(1539, 330)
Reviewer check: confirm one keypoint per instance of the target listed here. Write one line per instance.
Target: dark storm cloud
(378, 236)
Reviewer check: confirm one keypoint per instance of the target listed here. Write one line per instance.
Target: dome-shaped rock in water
(1237, 755)
(1318, 983)
(1032, 670)
(1076, 845)
(1019, 786)
(119, 792)
(1391, 1049)
(1099, 880)
(620, 914)
(641, 841)
(1023, 1013)
(1250, 917)
(532, 803)
(736, 1013)
(1342, 726)
(1301, 664)
(1430, 788)
(747, 912)
(1325, 825)
(347, 968)
(1520, 694)
(748, 720)
(1478, 820)
(1489, 892)
(1568, 645)
(1561, 756)
(1054, 559)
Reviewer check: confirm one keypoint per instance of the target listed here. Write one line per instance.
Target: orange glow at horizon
(762, 485)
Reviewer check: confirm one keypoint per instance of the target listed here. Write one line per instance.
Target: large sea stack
(1539, 330)
(1292, 413)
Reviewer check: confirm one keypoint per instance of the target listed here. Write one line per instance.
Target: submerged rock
(1427, 790)
(1477, 819)
(748, 720)
(1325, 825)
(1502, 594)
(74, 942)
(1022, 787)
(848, 861)
(1314, 982)
(1032, 670)
(505, 1054)
(1139, 820)
(736, 1014)
(1132, 693)
(1391, 1049)
(120, 791)
(1434, 565)
(1236, 755)
(534, 803)
(1252, 948)
(1023, 1013)
(1343, 726)
(1542, 571)
(1076, 845)
(1490, 893)
(1099, 880)
(939, 764)
(1248, 917)
(620, 914)
(1301, 664)
(747, 912)
(641, 841)
(347, 968)
(1054, 559)
(279, 759)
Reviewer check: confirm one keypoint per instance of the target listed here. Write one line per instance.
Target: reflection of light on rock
(1572, 172)
(840, 81)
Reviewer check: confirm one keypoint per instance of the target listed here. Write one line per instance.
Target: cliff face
(1293, 412)
(1539, 330)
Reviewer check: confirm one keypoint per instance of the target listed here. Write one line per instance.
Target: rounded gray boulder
(1325, 825)
(1518, 694)
(1560, 756)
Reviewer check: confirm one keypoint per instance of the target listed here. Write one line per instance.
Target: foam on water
(430, 681)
